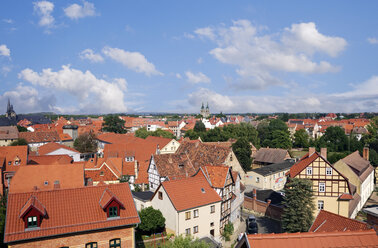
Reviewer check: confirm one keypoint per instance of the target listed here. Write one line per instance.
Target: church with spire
(205, 112)
(10, 114)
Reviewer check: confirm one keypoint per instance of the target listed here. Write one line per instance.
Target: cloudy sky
(82, 56)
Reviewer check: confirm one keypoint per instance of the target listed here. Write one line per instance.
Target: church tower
(10, 112)
(205, 112)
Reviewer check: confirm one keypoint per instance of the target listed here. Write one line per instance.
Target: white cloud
(4, 51)
(91, 56)
(373, 41)
(93, 94)
(364, 97)
(76, 11)
(178, 75)
(5, 70)
(9, 21)
(196, 78)
(44, 10)
(259, 57)
(132, 60)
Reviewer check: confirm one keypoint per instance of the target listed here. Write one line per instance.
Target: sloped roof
(88, 214)
(52, 146)
(93, 166)
(364, 238)
(357, 163)
(33, 202)
(197, 189)
(65, 137)
(158, 140)
(273, 168)
(8, 132)
(9, 153)
(216, 174)
(116, 138)
(329, 222)
(270, 155)
(50, 159)
(303, 163)
(44, 176)
(40, 137)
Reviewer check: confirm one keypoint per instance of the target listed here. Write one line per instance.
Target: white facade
(171, 147)
(367, 187)
(61, 151)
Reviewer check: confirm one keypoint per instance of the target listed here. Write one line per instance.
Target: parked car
(251, 224)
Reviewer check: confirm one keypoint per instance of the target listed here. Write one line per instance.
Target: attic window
(203, 190)
(46, 183)
(181, 165)
(32, 221)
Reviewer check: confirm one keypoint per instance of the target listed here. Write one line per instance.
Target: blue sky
(170, 56)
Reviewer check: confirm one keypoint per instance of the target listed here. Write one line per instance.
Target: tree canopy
(199, 127)
(86, 143)
(113, 124)
(274, 133)
(334, 139)
(301, 139)
(19, 142)
(242, 150)
(143, 133)
(299, 206)
(152, 220)
(185, 242)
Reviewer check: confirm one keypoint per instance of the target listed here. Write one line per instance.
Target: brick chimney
(365, 153)
(254, 194)
(323, 152)
(57, 184)
(311, 150)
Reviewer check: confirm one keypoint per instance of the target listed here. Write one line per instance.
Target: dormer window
(113, 212)
(32, 222)
(111, 204)
(129, 159)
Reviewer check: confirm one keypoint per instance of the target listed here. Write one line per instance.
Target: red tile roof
(302, 164)
(330, 222)
(40, 137)
(111, 168)
(52, 146)
(10, 153)
(44, 176)
(365, 238)
(190, 192)
(65, 137)
(217, 175)
(50, 159)
(35, 203)
(69, 211)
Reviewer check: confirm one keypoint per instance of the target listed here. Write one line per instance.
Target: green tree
(241, 130)
(336, 156)
(299, 206)
(86, 143)
(185, 242)
(266, 131)
(19, 142)
(242, 150)
(228, 231)
(3, 208)
(199, 127)
(143, 133)
(281, 139)
(152, 220)
(301, 139)
(191, 134)
(335, 139)
(113, 124)
(21, 128)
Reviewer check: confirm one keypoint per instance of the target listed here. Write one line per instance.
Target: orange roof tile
(35, 203)
(365, 238)
(111, 168)
(10, 153)
(59, 204)
(40, 137)
(50, 159)
(65, 137)
(45, 176)
(302, 164)
(330, 222)
(217, 175)
(197, 189)
(52, 146)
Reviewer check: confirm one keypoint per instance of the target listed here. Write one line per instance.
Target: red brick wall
(102, 238)
(264, 208)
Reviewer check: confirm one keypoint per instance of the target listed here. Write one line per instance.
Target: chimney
(365, 153)
(57, 184)
(323, 152)
(311, 150)
(254, 194)
(268, 201)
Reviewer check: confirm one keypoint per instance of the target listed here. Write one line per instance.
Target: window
(320, 205)
(32, 221)
(114, 243)
(195, 213)
(160, 195)
(113, 211)
(101, 173)
(212, 209)
(187, 231)
(212, 224)
(231, 157)
(187, 215)
(257, 179)
(309, 171)
(329, 171)
(321, 187)
(91, 245)
(195, 229)
(16, 162)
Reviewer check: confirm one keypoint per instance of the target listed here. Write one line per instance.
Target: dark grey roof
(33, 118)
(270, 155)
(70, 127)
(263, 195)
(273, 168)
(143, 195)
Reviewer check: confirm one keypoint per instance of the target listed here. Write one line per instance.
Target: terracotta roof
(217, 175)
(44, 177)
(158, 140)
(111, 168)
(35, 203)
(107, 197)
(303, 163)
(50, 159)
(128, 168)
(10, 153)
(116, 138)
(197, 189)
(270, 155)
(364, 238)
(8, 132)
(52, 146)
(40, 137)
(65, 137)
(59, 204)
(329, 222)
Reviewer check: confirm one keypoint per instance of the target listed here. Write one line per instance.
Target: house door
(212, 232)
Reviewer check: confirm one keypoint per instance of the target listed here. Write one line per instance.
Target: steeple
(202, 106)
(207, 106)
(9, 105)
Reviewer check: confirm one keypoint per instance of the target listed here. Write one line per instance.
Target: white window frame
(195, 213)
(257, 179)
(320, 205)
(309, 171)
(329, 169)
(187, 231)
(195, 229)
(322, 186)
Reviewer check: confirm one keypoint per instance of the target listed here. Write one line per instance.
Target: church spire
(202, 106)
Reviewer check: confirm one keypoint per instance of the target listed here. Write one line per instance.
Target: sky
(98, 57)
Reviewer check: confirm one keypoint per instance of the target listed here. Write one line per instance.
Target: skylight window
(203, 190)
